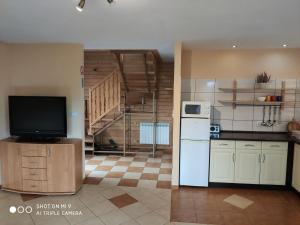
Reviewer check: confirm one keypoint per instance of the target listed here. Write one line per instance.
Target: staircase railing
(104, 97)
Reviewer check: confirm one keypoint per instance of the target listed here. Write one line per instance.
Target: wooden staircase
(104, 107)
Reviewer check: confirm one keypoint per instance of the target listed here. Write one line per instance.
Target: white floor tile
(94, 221)
(154, 160)
(99, 174)
(147, 184)
(136, 210)
(90, 167)
(108, 163)
(109, 182)
(126, 159)
(101, 208)
(137, 164)
(164, 177)
(151, 170)
(151, 219)
(166, 165)
(116, 217)
(119, 169)
(112, 192)
(130, 175)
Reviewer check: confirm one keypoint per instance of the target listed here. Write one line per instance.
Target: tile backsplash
(243, 118)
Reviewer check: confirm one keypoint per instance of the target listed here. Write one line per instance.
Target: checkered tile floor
(137, 171)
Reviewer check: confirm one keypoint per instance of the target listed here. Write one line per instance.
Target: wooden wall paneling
(105, 62)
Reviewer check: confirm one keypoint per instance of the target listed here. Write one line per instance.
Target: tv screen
(36, 116)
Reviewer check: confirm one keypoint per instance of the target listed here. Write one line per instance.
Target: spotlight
(110, 1)
(284, 45)
(80, 5)
(234, 46)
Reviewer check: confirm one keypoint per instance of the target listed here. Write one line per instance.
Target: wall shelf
(235, 89)
(249, 102)
(255, 90)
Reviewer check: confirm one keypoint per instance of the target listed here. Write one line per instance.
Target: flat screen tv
(37, 116)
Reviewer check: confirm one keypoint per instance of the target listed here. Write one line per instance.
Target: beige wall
(50, 70)
(4, 88)
(234, 63)
(176, 113)
(43, 69)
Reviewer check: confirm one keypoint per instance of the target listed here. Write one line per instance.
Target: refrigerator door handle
(194, 140)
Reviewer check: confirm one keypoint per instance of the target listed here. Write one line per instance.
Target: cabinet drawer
(34, 174)
(33, 162)
(222, 144)
(33, 150)
(34, 186)
(274, 145)
(248, 145)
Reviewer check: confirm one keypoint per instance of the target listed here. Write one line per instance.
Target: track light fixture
(80, 5)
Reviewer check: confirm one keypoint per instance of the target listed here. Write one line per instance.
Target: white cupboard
(296, 169)
(247, 166)
(249, 162)
(273, 167)
(222, 165)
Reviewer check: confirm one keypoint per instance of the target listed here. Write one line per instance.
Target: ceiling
(153, 24)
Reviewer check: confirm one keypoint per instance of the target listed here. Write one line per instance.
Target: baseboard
(295, 191)
(248, 186)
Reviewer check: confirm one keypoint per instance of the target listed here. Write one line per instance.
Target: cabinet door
(222, 165)
(11, 166)
(296, 169)
(273, 167)
(247, 166)
(60, 168)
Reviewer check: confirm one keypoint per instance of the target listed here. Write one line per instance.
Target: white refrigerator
(194, 151)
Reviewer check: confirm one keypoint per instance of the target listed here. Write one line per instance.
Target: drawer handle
(33, 174)
(275, 146)
(223, 144)
(33, 186)
(248, 145)
(33, 162)
(264, 158)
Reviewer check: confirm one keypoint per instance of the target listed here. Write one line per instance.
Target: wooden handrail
(104, 97)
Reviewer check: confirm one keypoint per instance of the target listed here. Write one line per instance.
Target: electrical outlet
(258, 124)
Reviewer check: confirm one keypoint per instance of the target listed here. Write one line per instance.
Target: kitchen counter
(254, 136)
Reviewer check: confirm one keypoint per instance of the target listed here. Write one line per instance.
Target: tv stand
(38, 140)
(50, 168)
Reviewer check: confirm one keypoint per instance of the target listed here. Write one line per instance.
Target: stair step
(107, 120)
(89, 148)
(89, 140)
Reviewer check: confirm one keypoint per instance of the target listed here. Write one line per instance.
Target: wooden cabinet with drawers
(49, 168)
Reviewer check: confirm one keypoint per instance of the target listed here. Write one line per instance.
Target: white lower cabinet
(222, 165)
(296, 169)
(251, 162)
(247, 166)
(273, 167)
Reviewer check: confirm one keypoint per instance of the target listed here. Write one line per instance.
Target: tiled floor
(133, 171)
(94, 204)
(225, 206)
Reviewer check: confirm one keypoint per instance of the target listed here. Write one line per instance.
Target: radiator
(162, 131)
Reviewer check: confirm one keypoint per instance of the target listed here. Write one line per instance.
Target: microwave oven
(195, 109)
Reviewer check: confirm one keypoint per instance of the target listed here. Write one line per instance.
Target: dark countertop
(255, 136)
